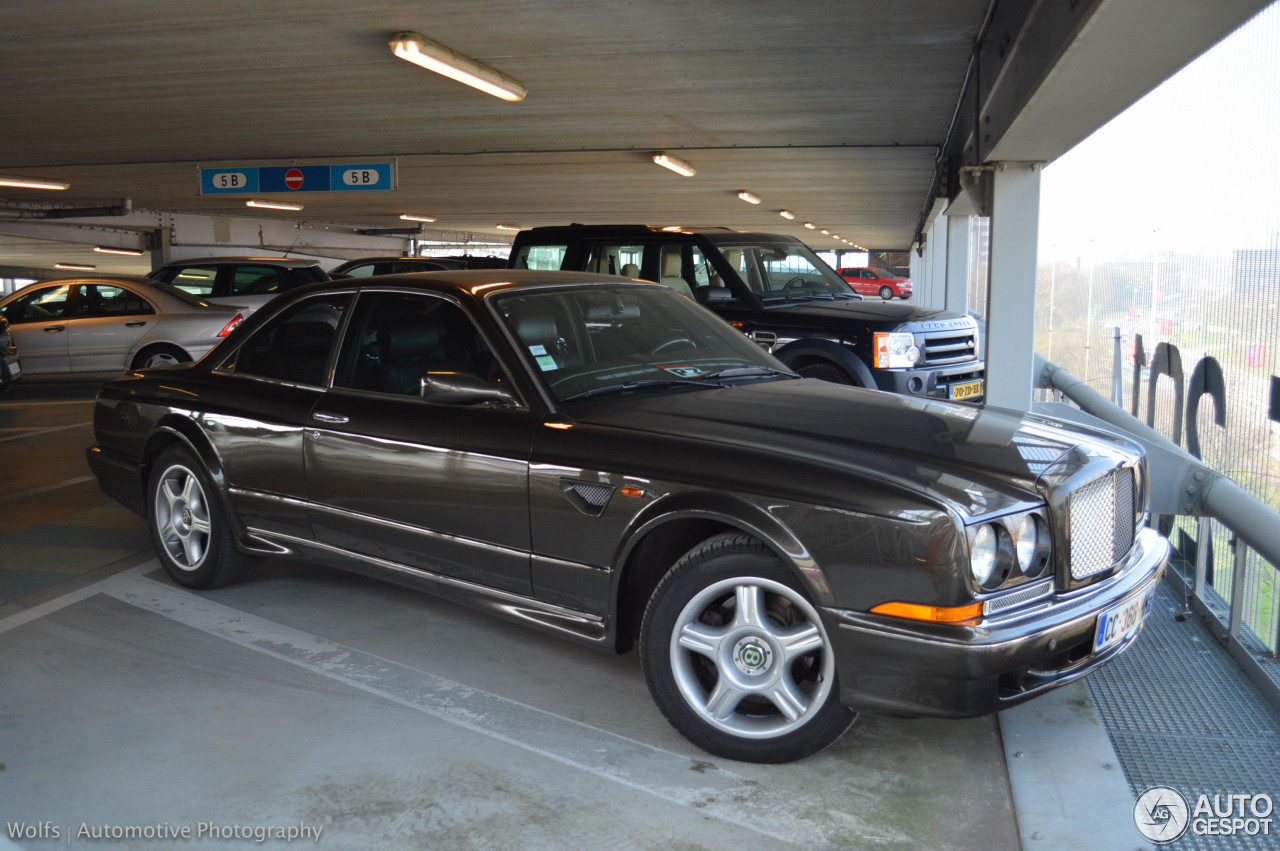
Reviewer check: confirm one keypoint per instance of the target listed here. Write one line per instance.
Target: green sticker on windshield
(546, 362)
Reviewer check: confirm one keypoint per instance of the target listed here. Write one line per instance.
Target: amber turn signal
(967, 615)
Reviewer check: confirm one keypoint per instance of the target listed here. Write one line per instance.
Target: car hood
(838, 314)
(977, 460)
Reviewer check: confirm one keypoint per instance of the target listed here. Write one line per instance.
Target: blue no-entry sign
(344, 177)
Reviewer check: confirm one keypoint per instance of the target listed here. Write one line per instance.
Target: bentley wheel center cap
(752, 656)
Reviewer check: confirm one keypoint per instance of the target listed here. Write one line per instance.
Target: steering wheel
(796, 283)
(677, 341)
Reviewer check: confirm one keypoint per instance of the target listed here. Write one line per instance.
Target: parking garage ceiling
(830, 108)
(833, 109)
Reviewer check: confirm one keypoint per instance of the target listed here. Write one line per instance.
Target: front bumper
(119, 478)
(933, 382)
(915, 668)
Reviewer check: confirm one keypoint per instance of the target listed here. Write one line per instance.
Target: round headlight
(1027, 538)
(983, 558)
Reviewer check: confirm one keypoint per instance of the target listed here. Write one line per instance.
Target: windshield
(603, 339)
(785, 270)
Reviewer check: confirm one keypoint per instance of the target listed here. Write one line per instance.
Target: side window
(397, 338)
(297, 345)
(362, 271)
(255, 280)
(625, 260)
(197, 280)
(104, 300)
(541, 257)
(39, 306)
(869, 275)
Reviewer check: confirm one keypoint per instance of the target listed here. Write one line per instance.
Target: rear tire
(161, 354)
(738, 659)
(827, 372)
(189, 529)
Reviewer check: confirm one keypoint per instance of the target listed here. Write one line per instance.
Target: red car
(872, 282)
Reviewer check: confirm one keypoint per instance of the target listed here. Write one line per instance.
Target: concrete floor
(319, 700)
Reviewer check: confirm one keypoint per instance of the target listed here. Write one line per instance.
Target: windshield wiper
(640, 385)
(749, 372)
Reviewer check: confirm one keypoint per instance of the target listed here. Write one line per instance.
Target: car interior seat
(671, 277)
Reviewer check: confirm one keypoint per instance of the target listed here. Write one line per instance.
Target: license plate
(1114, 624)
(967, 390)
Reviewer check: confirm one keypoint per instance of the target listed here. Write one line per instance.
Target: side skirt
(570, 623)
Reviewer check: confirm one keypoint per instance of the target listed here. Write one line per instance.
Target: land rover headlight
(896, 351)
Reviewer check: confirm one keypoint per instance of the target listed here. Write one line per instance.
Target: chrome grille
(946, 347)
(1102, 523)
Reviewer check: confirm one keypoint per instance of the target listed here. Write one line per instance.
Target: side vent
(591, 498)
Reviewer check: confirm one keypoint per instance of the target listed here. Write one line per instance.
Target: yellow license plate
(967, 390)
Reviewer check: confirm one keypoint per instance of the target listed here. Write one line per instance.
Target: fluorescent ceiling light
(679, 166)
(507, 227)
(273, 205)
(127, 252)
(748, 197)
(422, 51)
(408, 218)
(673, 228)
(77, 267)
(32, 183)
(810, 225)
(825, 232)
(787, 214)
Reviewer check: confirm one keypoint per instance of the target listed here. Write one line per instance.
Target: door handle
(53, 329)
(337, 419)
(138, 323)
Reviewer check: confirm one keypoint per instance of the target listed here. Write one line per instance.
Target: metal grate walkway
(1181, 713)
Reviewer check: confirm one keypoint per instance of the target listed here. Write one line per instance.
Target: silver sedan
(107, 325)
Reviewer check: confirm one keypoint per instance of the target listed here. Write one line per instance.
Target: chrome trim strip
(418, 573)
(380, 521)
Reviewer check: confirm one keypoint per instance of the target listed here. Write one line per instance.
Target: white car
(109, 324)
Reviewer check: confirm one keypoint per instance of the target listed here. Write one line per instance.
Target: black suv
(784, 297)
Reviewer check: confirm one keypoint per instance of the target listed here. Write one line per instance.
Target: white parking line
(672, 777)
(65, 483)
(35, 404)
(36, 612)
(38, 431)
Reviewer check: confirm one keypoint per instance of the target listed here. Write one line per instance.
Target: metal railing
(1182, 485)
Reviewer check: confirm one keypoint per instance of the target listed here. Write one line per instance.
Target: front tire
(738, 659)
(886, 292)
(826, 372)
(189, 529)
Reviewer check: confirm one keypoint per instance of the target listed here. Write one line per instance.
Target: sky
(1194, 167)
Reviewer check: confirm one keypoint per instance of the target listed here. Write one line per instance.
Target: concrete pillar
(161, 250)
(935, 296)
(957, 273)
(1011, 292)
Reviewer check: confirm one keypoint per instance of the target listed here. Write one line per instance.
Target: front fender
(831, 352)
(734, 511)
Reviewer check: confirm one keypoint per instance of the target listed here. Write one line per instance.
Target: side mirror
(464, 388)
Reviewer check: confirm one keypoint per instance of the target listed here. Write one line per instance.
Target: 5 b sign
(340, 177)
